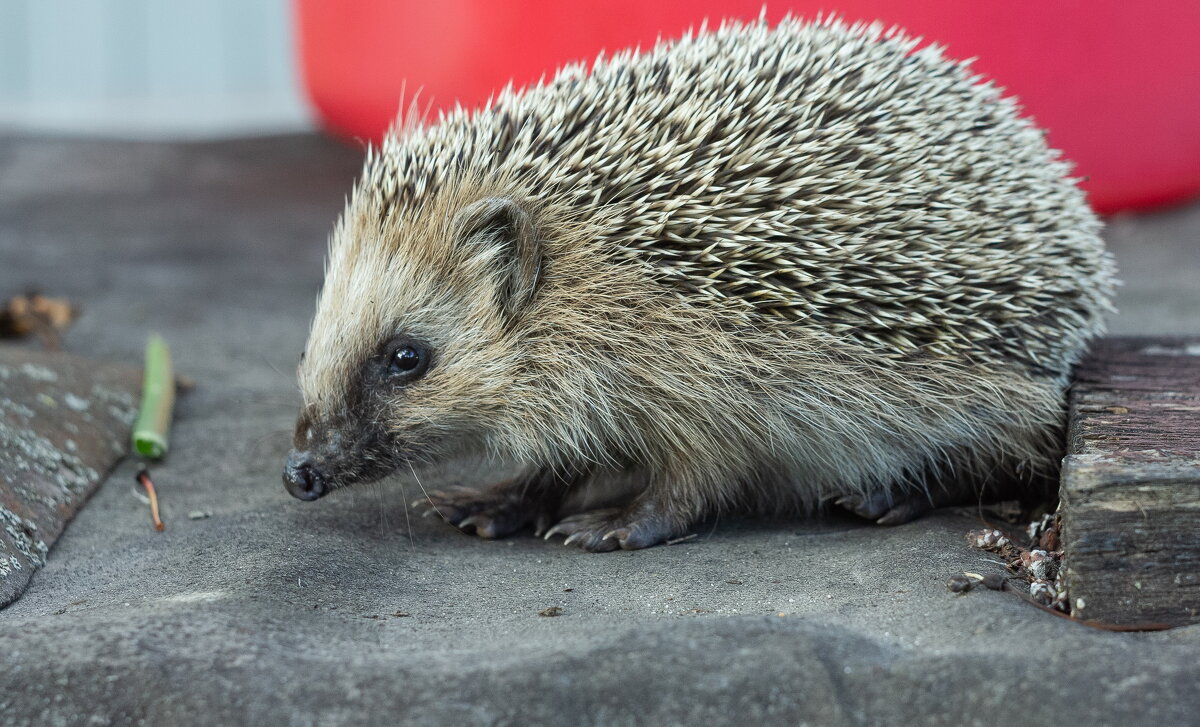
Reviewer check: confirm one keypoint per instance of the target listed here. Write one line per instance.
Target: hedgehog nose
(302, 478)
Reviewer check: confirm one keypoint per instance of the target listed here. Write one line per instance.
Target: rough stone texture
(64, 422)
(272, 611)
(1131, 483)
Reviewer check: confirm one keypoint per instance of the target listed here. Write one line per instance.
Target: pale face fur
(440, 278)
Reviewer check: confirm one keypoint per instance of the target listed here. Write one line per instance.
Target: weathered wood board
(1131, 483)
(64, 422)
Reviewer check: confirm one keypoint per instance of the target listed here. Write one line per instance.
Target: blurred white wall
(149, 68)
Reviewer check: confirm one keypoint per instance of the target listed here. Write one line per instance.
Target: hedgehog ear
(502, 227)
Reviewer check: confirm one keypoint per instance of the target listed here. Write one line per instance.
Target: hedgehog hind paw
(887, 508)
(488, 513)
(603, 530)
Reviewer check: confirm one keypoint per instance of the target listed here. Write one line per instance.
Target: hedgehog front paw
(600, 531)
(887, 508)
(489, 513)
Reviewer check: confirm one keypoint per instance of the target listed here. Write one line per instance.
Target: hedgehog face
(414, 347)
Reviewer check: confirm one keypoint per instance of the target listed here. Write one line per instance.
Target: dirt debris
(34, 314)
(1036, 570)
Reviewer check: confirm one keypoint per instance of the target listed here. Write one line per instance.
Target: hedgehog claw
(885, 508)
(604, 530)
(906, 511)
(489, 513)
(485, 527)
(541, 526)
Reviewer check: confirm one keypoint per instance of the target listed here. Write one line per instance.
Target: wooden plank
(1131, 483)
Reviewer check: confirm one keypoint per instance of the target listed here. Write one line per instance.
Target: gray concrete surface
(272, 611)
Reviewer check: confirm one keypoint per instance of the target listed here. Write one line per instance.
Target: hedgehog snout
(309, 470)
(330, 452)
(302, 477)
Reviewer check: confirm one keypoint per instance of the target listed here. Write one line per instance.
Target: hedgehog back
(814, 174)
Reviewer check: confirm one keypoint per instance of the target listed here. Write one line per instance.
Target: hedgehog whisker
(423, 490)
(412, 544)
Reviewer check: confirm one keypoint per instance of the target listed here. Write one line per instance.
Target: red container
(1117, 83)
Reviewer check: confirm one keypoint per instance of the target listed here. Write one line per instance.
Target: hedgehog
(755, 269)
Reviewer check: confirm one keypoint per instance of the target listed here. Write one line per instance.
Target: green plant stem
(158, 401)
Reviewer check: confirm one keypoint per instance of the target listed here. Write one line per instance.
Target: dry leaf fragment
(36, 314)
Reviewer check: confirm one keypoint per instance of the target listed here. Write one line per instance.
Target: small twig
(144, 478)
(684, 539)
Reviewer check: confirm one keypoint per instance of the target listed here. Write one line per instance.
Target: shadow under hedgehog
(754, 269)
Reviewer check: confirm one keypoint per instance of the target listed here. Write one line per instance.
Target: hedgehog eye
(407, 362)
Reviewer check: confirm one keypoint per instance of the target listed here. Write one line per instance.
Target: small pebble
(987, 539)
(199, 515)
(1042, 591)
(960, 583)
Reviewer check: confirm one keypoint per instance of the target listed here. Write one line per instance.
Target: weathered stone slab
(64, 422)
(1131, 483)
